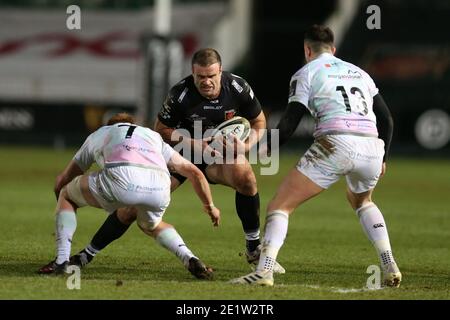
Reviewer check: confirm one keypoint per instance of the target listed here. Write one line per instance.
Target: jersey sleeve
(373, 90)
(250, 107)
(300, 87)
(167, 151)
(85, 155)
(169, 114)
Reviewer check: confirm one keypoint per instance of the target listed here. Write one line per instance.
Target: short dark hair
(319, 37)
(120, 117)
(206, 57)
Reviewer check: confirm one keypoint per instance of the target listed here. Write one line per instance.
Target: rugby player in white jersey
(134, 173)
(352, 138)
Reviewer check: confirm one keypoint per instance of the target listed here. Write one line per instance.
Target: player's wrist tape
(209, 205)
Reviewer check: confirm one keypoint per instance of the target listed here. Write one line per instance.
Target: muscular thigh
(295, 189)
(232, 175)
(79, 193)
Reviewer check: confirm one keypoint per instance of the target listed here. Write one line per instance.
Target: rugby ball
(238, 126)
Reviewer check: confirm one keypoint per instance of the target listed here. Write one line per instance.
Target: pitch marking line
(338, 290)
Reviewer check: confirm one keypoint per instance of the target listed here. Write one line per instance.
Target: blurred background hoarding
(57, 85)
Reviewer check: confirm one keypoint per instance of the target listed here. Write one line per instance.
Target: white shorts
(357, 158)
(148, 190)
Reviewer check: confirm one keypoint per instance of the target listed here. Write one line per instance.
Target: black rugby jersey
(184, 104)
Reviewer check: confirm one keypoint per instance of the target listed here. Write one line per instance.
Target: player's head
(207, 72)
(122, 117)
(318, 39)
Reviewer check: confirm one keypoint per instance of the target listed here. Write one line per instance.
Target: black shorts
(201, 166)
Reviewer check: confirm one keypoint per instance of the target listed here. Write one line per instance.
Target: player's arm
(258, 126)
(168, 119)
(166, 132)
(385, 123)
(196, 177)
(288, 123)
(299, 91)
(70, 172)
(80, 163)
(250, 108)
(174, 136)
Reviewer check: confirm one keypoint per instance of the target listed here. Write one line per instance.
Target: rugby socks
(375, 228)
(91, 251)
(247, 208)
(275, 232)
(252, 241)
(66, 224)
(172, 241)
(110, 230)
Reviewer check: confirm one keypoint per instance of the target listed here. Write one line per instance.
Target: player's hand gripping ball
(228, 138)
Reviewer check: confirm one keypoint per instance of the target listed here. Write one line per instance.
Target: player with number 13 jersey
(338, 94)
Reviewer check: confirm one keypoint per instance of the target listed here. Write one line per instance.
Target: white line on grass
(334, 289)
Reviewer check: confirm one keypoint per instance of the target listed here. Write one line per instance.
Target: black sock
(252, 245)
(247, 208)
(110, 230)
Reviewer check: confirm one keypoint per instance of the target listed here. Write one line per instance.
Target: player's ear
(333, 50)
(307, 51)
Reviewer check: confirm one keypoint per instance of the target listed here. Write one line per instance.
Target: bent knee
(275, 205)
(358, 201)
(63, 193)
(127, 215)
(246, 184)
(147, 225)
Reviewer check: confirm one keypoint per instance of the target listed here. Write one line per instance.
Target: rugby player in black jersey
(207, 97)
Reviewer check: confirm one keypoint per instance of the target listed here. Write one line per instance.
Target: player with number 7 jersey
(133, 173)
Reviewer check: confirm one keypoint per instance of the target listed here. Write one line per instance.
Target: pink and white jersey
(124, 144)
(338, 94)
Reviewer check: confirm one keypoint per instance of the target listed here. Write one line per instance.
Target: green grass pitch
(326, 253)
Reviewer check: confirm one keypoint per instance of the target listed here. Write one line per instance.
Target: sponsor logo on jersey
(196, 117)
(212, 107)
(329, 65)
(350, 75)
(237, 86)
(378, 225)
(354, 72)
(229, 114)
(293, 88)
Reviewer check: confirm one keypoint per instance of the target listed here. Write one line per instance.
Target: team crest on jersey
(229, 114)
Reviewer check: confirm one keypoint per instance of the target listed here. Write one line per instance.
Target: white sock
(275, 232)
(172, 241)
(66, 224)
(252, 235)
(375, 228)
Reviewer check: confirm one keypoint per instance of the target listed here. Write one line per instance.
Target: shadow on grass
(175, 272)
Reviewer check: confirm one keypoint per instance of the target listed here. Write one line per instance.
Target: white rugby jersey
(124, 144)
(338, 94)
